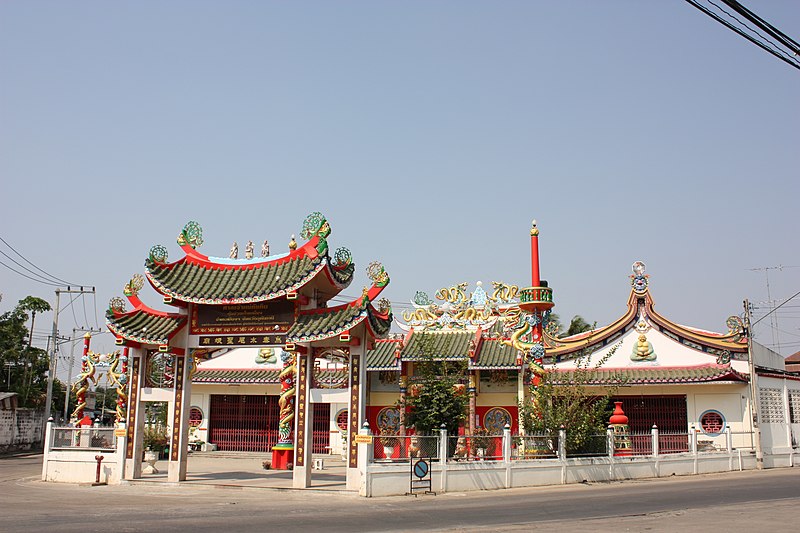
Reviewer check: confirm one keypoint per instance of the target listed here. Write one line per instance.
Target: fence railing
(397, 448)
(68, 438)
(534, 447)
(402, 448)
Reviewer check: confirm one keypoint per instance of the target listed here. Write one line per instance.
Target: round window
(195, 417)
(341, 420)
(496, 419)
(712, 422)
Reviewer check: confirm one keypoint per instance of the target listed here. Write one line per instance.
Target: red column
(535, 279)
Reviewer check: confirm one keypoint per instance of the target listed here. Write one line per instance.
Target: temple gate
(272, 301)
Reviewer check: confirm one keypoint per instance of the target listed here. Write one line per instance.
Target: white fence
(71, 454)
(510, 462)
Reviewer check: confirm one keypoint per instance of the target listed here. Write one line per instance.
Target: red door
(322, 428)
(243, 423)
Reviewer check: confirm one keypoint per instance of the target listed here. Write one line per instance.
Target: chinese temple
(276, 304)
(669, 375)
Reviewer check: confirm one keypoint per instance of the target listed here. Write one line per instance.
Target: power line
(764, 25)
(771, 44)
(29, 277)
(83, 301)
(782, 56)
(57, 279)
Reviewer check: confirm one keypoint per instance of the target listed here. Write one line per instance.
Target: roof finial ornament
(265, 249)
(534, 229)
(249, 250)
(639, 278)
(293, 244)
(234, 250)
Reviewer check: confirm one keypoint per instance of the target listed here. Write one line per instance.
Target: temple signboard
(277, 339)
(247, 321)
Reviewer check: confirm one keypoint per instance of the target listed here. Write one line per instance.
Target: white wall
(20, 429)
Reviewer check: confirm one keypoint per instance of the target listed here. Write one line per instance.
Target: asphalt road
(742, 501)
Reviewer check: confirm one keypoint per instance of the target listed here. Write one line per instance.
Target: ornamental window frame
(706, 427)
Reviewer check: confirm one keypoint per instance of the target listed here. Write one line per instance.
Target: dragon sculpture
(525, 327)
(118, 378)
(286, 400)
(82, 384)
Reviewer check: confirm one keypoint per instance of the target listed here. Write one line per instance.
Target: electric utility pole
(51, 373)
(755, 408)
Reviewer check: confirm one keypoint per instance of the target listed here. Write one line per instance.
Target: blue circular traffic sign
(421, 468)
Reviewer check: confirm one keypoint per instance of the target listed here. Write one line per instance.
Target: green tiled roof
(345, 275)
(656, 375)
(438, 345)
(317, 326)
(254, 375)
(382, 357)
(379, 325)
(143, 327)
(191, 281)
(250, 375)
(494, 354)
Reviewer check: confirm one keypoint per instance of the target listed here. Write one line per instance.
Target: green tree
(567, 399)
(578, 325)
(25, 366)
(437, 398)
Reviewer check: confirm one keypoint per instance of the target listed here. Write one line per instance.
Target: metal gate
(667, 413)
(244, 423)
(321, 428)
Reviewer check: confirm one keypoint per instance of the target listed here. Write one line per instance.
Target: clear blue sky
(429, 133)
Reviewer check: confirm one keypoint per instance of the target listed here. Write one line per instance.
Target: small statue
(293, 244)
(248, 250)
(265, 249)
(643, 350)
(235, 250)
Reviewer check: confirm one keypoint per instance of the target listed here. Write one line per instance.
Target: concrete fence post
(654, 440)
(729, 439)
(121, 450)
(507, 443)
(562, 453)
(610, 441)
(443, 457)
(507, 454)
(693, 439)
(48, 445)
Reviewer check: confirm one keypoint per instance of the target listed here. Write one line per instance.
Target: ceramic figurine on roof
(458, 310)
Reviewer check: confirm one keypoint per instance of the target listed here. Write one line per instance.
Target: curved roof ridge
(561, 346)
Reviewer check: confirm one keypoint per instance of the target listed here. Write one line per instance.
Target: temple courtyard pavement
(229, 494)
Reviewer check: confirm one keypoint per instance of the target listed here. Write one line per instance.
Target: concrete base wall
(21, 429)
(81, 467)
(394, 479)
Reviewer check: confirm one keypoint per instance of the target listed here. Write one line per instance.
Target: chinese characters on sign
(176, 421)
(300, 456)
(355, 362)
(243, 340)
(133, 401)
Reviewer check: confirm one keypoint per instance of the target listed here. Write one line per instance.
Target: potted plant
(389, 440)
(481, 441)
(155, 439)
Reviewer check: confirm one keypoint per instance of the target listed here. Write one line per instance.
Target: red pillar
(535, 277)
